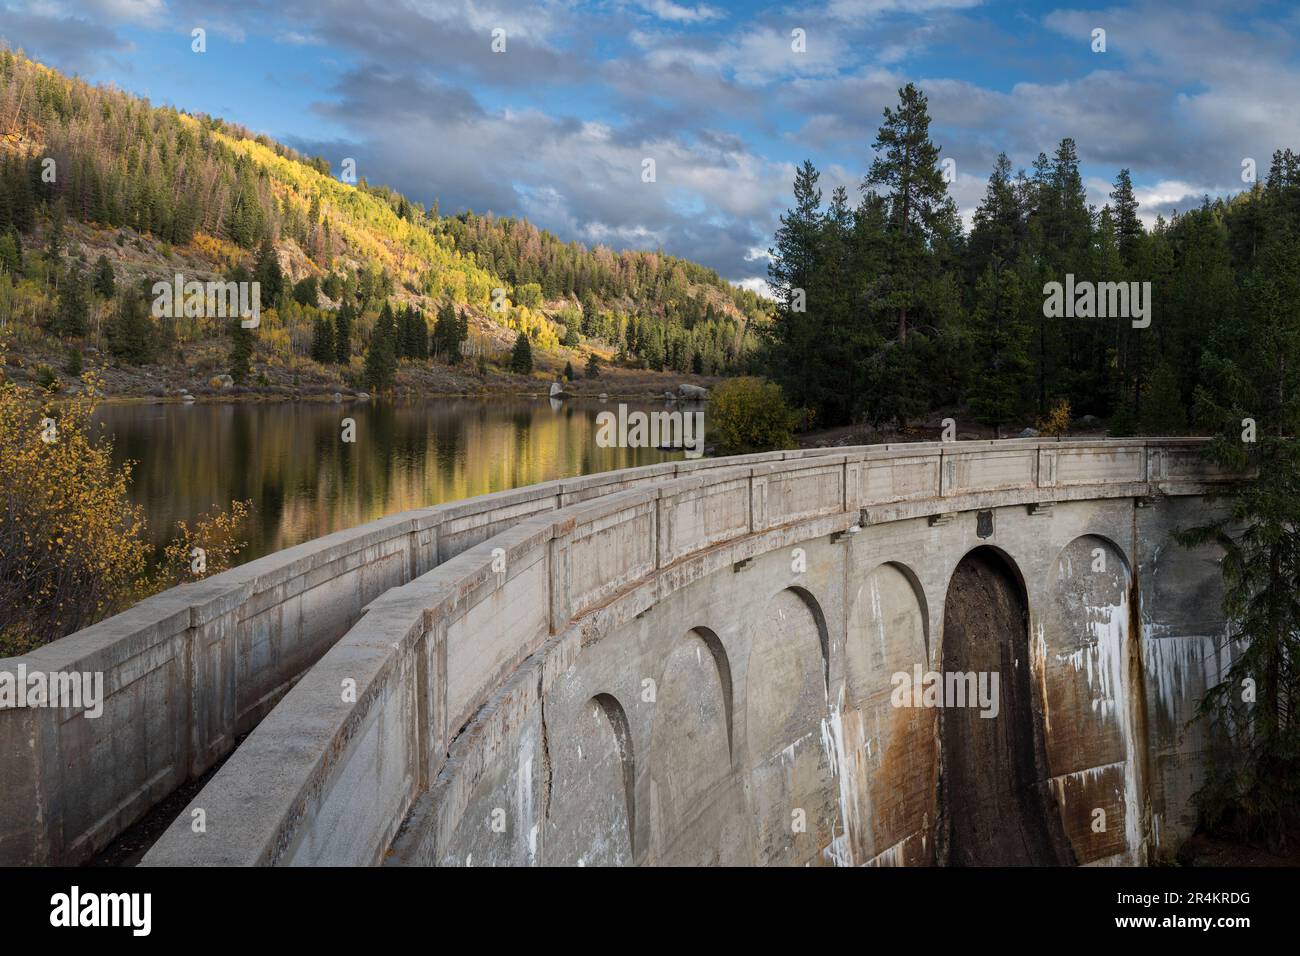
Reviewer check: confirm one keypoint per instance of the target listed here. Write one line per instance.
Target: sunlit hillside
(102, 194)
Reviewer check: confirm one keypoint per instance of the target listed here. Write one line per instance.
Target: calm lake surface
(304, 481)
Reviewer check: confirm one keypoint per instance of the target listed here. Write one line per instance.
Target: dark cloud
(78, 44)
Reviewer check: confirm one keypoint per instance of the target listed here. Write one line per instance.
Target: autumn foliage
(72, 547)
(70, 538)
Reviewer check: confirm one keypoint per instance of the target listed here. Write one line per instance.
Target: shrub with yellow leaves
(71, 549)
(72, 546)
(1057, 422)
(208, 548)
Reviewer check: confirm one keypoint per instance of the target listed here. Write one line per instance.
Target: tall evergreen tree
(267, 273)
(241, 353)
(72, 312)
(791, 265)
(11, 257)
(343, 334)
(521, 356)
(105, 283)
(449, 333)
(921, 214)
(1128, 228)
(130, 333)
(1001, 346)
(381, 357)
(322, 342)
(999, 226)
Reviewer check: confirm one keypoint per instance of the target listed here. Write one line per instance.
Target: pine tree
(841, 332)
(999, 226)
(267, 273)
(55, 238)
(11, 261)
(521, 356)
(241, 353)
(304, 293)
(70, 317)
(105, 283)
(415, 334)
(130, 333)
(1164, 413)
(381, 357)
(1128, 228)
(920, 211)
(322, 343)
(449, 332)
(593, 366)
(343, 334)
(1000, 339)
(791, 265)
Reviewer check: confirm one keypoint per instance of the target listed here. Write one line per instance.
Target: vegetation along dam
(966, 653)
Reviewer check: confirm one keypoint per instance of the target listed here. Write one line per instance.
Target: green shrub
(46, 378)
(748, 414)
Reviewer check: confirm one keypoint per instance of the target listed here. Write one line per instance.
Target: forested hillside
(102, 194)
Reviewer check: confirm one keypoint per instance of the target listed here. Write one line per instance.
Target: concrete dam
(963, 653)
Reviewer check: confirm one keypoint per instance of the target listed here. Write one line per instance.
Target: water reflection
(304, 481)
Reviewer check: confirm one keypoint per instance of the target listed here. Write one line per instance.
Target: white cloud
(855, 10)
(677, 13)
(755, 285)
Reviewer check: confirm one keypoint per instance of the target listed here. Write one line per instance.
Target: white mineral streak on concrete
(1040, 668)
(878, 614)
(1089, 775)
(890, 857)
(1109, 626)
(1173, 661)
(524, 797)
(846, 764)
(787, 755)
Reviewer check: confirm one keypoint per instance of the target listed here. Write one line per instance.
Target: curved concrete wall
(698, 671)
(188, 671)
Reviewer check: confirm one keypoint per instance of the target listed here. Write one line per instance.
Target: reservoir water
(305, 481)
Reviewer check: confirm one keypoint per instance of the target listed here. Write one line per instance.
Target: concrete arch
(584, 773)
(1005, 556)
(1090, 676)
(1101, 540)
(890, 763)
(784, 702)
(618, 724)
(723, 664)
(890, 618)
(823, 632)
(692, 796)
(918, 589)
(1003, 818)
(786, 669)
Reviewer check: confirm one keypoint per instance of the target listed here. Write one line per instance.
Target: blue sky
(556, 127)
